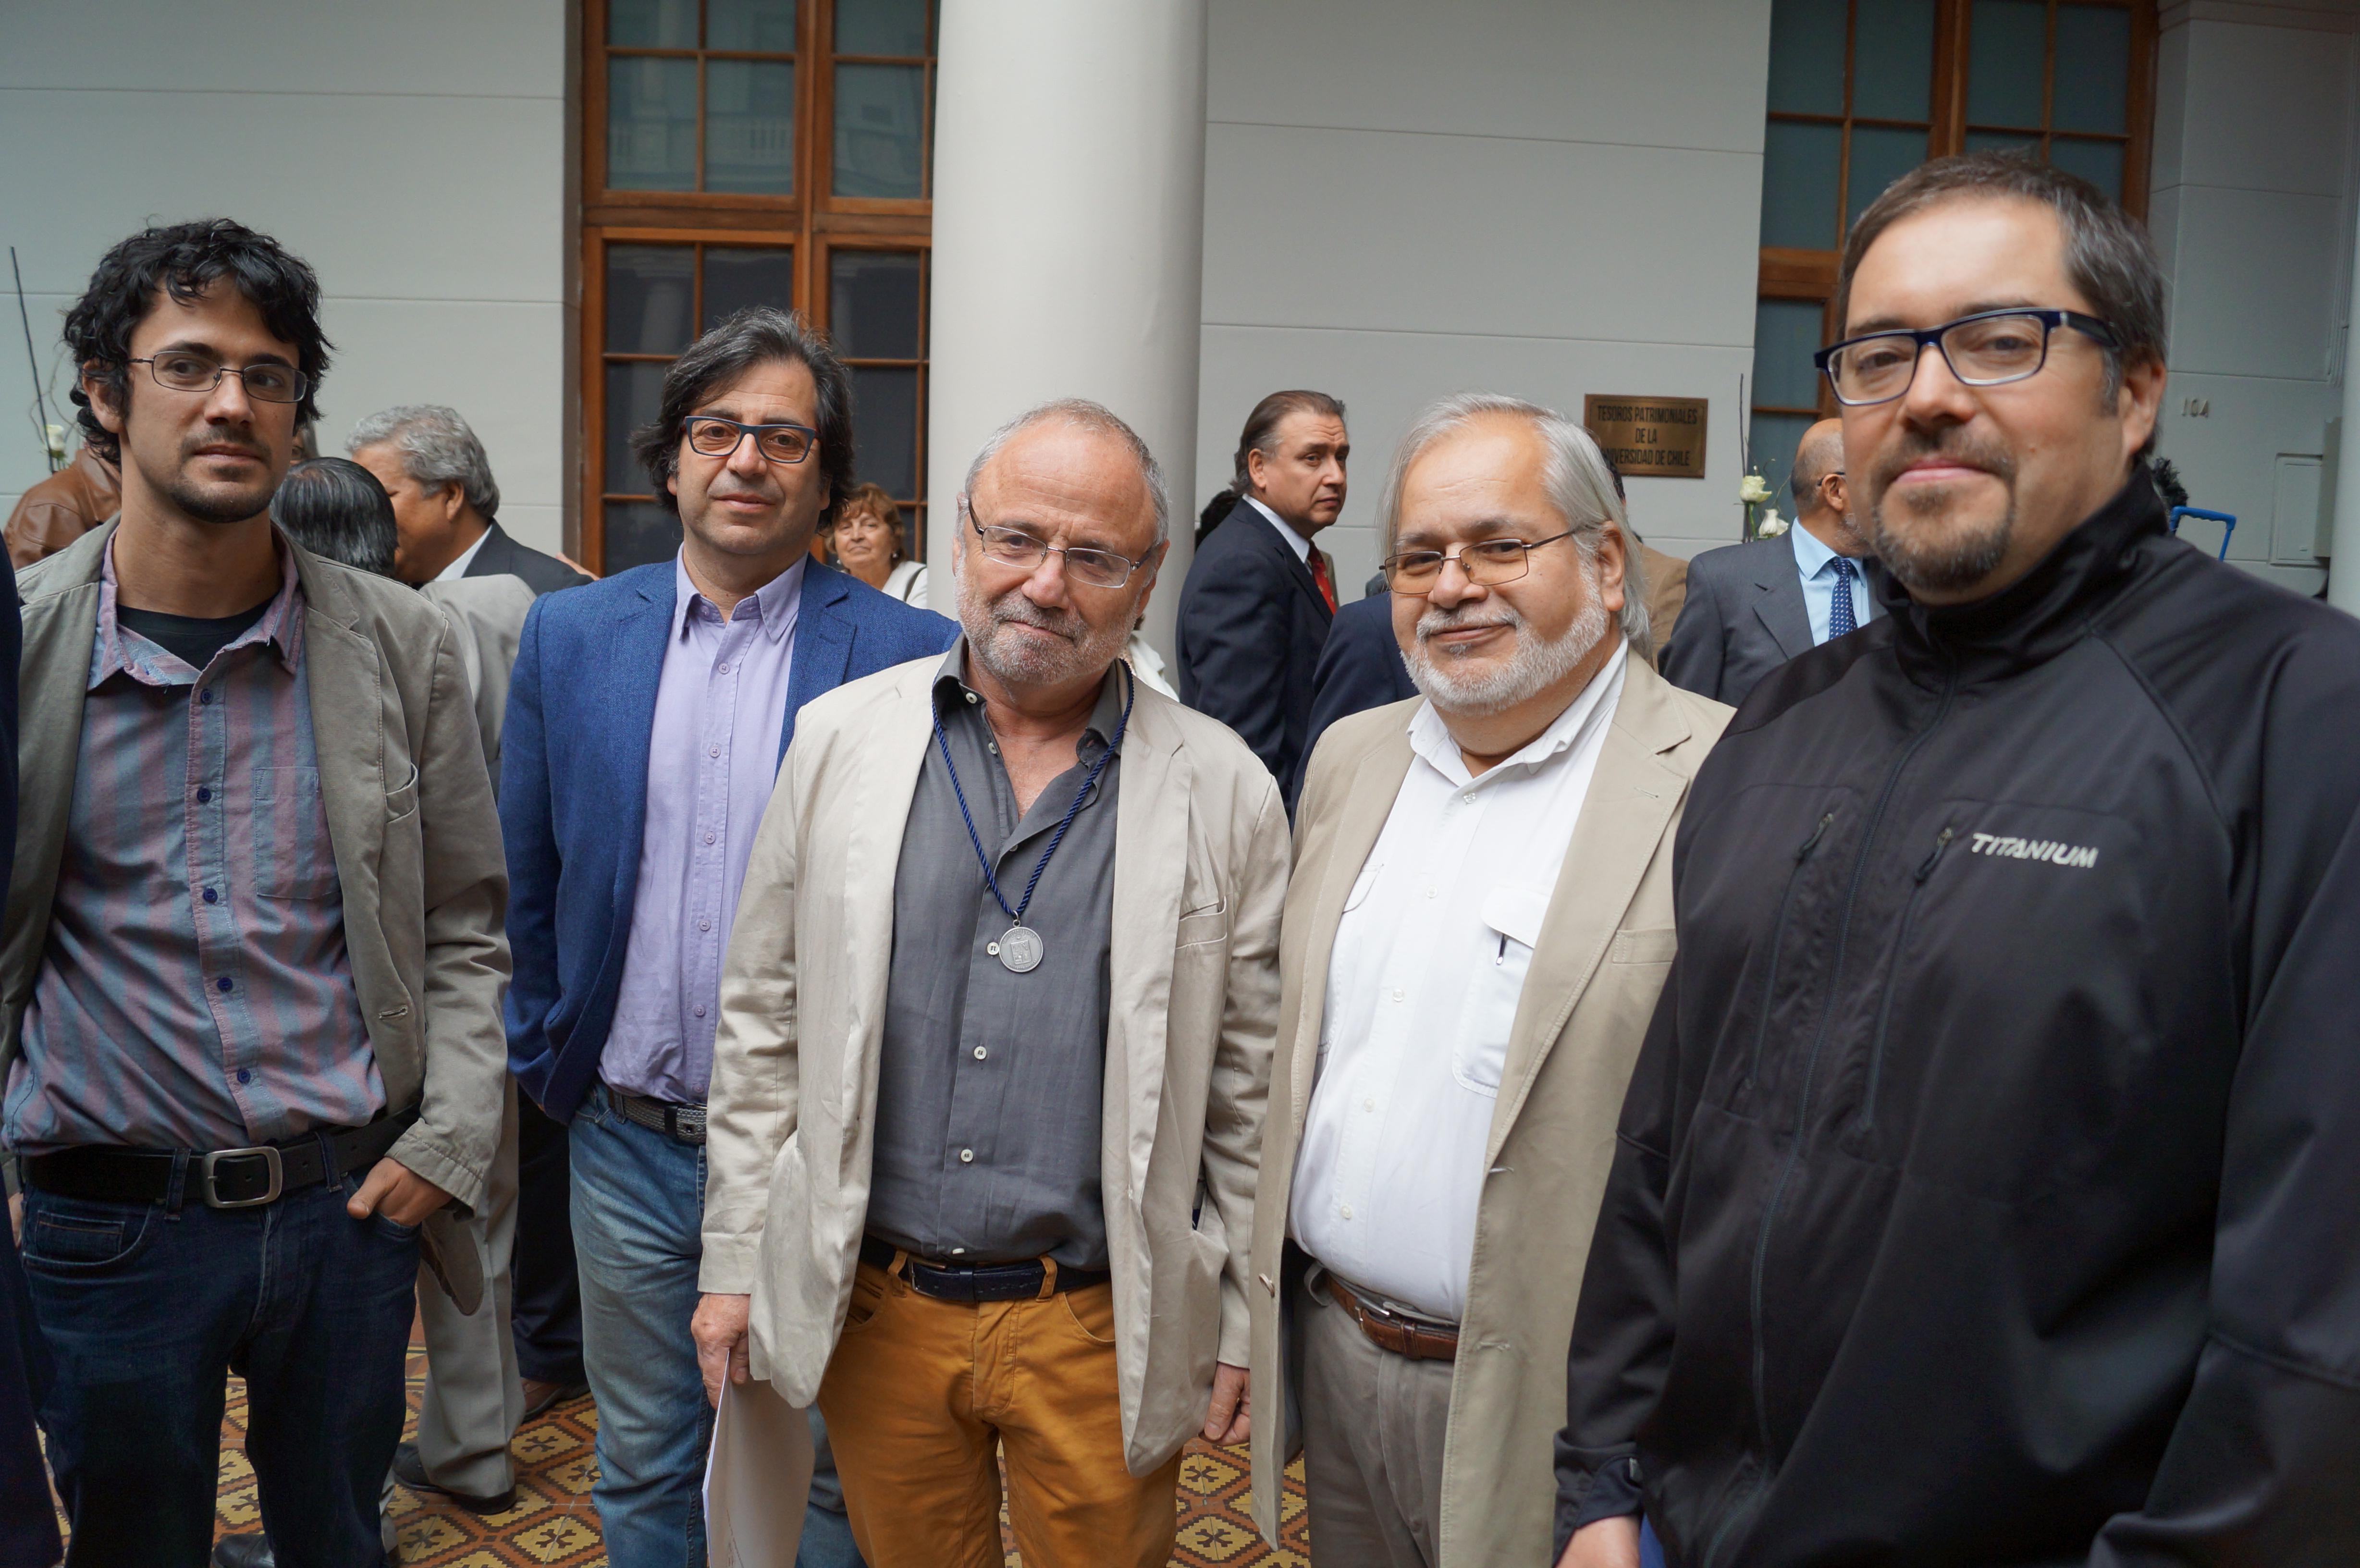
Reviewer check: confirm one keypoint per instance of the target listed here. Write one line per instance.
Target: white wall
(1405, 200)
(414, 154)
(2251, 209)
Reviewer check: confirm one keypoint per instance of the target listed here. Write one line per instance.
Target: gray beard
(1026, 663)
(1532, 669)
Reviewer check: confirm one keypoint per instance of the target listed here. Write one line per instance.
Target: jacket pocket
(1210, 923)
(401, 801)
(1656, 944)
(293, 858)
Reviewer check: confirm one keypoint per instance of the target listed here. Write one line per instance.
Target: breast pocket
(292, 856)
(1511, 929)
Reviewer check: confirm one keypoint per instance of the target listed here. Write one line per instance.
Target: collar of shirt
(776, 604)
(1294, 541)
(950, 686)
(1812, 555)
(119, 650)
(1429, 737)
(466, 557)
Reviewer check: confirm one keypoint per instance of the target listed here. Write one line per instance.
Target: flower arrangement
(1761, 521)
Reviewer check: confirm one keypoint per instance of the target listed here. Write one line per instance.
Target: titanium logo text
(2081, 856)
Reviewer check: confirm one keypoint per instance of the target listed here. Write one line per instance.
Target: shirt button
(708, 838)
(1369, 1104)
(212, 897)
(205, 696)
(1397, 993)
(966, 1157)
(712, 751)
(705, 925)
(243, 1076)
(970, 696)
(1347, 1211)
(978, 1053)
(222, 984)
(700, 1010)
(1467, 799)
(721, 670)
(203, 794)
(992, 948)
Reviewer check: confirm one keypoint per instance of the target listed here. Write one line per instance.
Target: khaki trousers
(474, 1398)
(920, 1392)
(1373, 1425)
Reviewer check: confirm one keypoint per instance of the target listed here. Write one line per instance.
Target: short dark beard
(1927, 555)
(203, 505)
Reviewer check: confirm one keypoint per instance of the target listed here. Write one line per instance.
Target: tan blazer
(488, 614)
(1199, 880)
(1603, 952)
(409, 815)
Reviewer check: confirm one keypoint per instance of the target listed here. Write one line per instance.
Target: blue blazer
(573, 787)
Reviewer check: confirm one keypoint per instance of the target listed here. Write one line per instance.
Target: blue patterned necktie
(1839, 616)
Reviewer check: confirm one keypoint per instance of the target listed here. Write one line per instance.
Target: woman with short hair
(867, 543)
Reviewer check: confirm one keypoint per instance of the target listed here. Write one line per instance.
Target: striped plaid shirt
(194, 992)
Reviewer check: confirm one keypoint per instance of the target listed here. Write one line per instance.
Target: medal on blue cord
(1020, 949)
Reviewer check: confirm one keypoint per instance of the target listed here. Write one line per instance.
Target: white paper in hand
(757, 1479)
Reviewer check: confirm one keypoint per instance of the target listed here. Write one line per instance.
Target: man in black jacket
(1984, 1191)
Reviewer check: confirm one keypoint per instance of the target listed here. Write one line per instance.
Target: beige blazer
(1199, 880)
(410, 816)
(1604, 949)
(488, 614)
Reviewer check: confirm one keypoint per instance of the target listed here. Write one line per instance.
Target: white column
(2343, 561)
(1068, 256)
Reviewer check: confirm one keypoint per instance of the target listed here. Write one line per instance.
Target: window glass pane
(1879, 157)
(2100, 163)
(1893, 60)
(650, 124)
(648, 298)
(872, 304)
(2094, 67)
(880, 125)
(640, 533)
(1771, 442)
(750, 126)
(2002, 141)
(767, 25)
(1799, 175)
(1786, 334)
(2004, 60)
(885, 427)
(895, 27)
(651, 24)
(1806, 57)
(736, 278)
(634, 394)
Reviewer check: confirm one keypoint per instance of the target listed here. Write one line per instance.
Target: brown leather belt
(1391, 1330)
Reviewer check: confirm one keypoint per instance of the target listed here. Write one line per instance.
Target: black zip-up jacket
(1988, 1190)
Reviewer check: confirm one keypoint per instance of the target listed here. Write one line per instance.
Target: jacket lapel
(889, 755)
(1151, 873)
(1780, 604)
(1630, 801)
(643, 634)
(823, 645)
(343, 670)
(53, 684)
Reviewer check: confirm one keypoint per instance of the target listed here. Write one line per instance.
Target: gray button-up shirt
(990, 1084)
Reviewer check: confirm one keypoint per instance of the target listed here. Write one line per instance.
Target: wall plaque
(1649, 438)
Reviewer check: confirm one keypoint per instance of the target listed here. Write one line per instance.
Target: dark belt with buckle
(1392, 1331)
(1032, 1279)
(681, 1124)
(223, 1178)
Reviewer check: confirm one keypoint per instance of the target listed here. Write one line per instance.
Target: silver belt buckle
(213, 1200)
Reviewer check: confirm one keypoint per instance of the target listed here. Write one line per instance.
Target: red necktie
(1326, 583)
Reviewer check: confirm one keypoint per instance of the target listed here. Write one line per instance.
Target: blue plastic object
(2229, 523)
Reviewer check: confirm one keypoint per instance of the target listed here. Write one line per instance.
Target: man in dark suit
(646, 718)
(1255, 610)
(1751, 607)
(1360, 667)
(444, 498)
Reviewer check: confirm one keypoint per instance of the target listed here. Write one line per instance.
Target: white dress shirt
(1429, 964)
(1294, 541)
(465, 559)
(1816, 564)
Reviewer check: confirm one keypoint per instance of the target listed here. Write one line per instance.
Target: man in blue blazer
(647, 719)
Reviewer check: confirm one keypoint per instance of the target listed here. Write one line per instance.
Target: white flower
(1771, 527)
(57, 438)
(1753, 489)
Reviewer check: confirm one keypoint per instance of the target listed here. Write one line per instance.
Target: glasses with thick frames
(1014, 547)
(1487, 562)
(196, 373)
(710, 435)
(1990, 348)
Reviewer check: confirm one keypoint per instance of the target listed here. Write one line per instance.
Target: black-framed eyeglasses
(1488, 563)
(710, 435)
(1014, 547)
(1990, 348)
(265, 383)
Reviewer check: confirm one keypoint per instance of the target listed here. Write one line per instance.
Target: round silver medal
(1020, 949)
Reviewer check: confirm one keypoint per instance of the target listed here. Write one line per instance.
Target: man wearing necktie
(1751, 607)
(1260, 596)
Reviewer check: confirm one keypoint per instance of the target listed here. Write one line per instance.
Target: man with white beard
(1480, 921)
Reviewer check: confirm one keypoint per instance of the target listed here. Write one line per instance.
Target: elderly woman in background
(867, 543)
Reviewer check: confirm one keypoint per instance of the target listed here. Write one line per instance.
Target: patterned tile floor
(553, 1524)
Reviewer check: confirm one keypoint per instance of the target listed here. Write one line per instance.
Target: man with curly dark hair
(253, 953)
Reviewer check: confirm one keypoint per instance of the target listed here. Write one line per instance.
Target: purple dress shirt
(721, 703)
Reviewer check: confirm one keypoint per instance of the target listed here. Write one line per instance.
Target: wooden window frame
(1810, 274)
(812, 222)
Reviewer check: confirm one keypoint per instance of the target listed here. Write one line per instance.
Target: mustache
(1955, 445)
(1015, 607)
(217, 438)
(1436, 621)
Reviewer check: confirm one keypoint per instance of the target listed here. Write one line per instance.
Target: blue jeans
(638, 1220)
(146, 1309)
